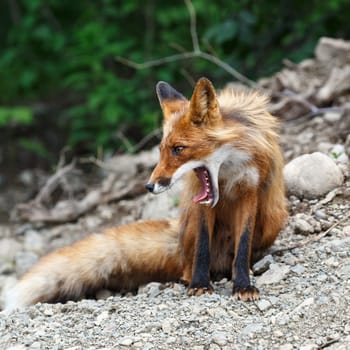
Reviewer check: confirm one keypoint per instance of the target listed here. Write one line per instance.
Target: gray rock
(310, 346)
(24, 261)
(290, 259)
(92, 222)
(263, 265)
(9, 248)
(27, 178)
(5, 232)
(17, 347)
(126, 341)
(169, 325)
(286, 347)
(34, 241)
(6, 267)
(105, 212)
(298, 269)
(275, 274)
(329, 49)
(332, 117)
(344, 272)
(252, 328)
(102, 318)
(301, 225)
(263, 304)
(304, 305)
(219, 338)
(332, 262)
(151, 289)
(338, 245)
(320, 214)
(346, 230)
(312, 175)
(103, 294)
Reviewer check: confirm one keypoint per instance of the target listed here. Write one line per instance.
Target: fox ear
(170, 100)
(204, 107)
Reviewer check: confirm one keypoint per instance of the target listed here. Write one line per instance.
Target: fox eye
(176, 150)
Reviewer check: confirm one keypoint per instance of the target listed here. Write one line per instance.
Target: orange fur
(233, 137)
(121, 259)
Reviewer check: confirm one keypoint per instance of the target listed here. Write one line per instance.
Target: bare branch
(229, 70)
(193, 25)
(125, 141)
(157, 62)
(97, 162)
(188, 55)
(148, 137)
(296, 97)
(71, 210)
(52, 183)
(316, 112)
(311, 239)
(195, 53)
(62, 157)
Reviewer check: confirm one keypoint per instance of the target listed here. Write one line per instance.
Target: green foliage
(61, 53)
(15, 116)
(35, 146)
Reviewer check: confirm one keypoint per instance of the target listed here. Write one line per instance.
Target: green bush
(12, 116)
(61, 54)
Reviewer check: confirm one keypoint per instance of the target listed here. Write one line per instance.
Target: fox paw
(197, 291)
(249, 293)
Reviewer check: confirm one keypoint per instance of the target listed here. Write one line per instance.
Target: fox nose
(150, 187)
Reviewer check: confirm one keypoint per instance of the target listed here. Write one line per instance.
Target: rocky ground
(304, 279)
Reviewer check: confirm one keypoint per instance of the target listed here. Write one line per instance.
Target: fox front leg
(200, 282)
(242, 287)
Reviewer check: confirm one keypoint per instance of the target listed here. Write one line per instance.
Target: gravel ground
(307, 307)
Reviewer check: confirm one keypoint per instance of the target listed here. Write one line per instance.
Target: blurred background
(61, 84)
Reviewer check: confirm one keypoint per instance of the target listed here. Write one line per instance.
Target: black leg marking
(241, 284)
(241, 261)
(200, 279)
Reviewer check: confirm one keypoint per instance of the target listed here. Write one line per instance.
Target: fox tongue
(201, 196)
(203, 177)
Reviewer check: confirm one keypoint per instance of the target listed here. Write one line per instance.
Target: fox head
(187, 144)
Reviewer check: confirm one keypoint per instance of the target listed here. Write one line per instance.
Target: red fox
(233, 207)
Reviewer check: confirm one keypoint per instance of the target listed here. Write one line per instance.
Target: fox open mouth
(206, 195)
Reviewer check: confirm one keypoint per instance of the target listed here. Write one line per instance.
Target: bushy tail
(122, 258)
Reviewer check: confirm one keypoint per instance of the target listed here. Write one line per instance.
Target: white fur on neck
(227, 162)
